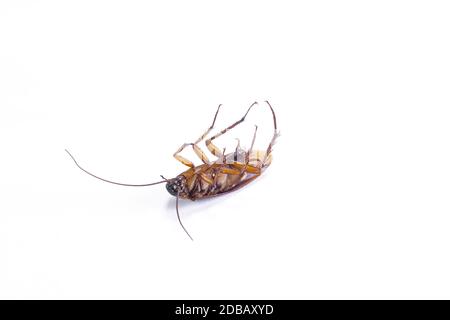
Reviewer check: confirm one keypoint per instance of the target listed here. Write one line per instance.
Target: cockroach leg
(194, 145)
(242, 167)
(238, 148)
(268, 156)
(210, 127)
(182, 159)
(253, 140)
(231, 171)
(199, 152)
(248, 153)
(210, 145)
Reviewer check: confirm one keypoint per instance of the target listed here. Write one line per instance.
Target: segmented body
(228, 173)
(209, 180)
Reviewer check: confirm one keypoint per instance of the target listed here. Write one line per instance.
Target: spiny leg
(210, 145)
(247, 154)
(244, 156)
(182, 159)
(234, 172)
(222, 158)
(197, 150)
(257, 158)
(237, 151)
(268, 155)
(248, 168)
(236, 156)
(210, 128)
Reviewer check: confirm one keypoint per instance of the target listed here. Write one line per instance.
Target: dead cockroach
(227, 173)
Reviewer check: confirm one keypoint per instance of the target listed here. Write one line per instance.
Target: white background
(356, 202)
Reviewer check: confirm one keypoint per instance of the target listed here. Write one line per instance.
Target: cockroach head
(176, 185)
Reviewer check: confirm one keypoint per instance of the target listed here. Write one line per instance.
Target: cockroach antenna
(133, 185)
(179, 220)
(113, 182)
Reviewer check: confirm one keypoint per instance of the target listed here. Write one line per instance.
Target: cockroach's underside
(227, 173)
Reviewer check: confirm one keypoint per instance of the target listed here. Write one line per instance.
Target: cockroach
(229, 172)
